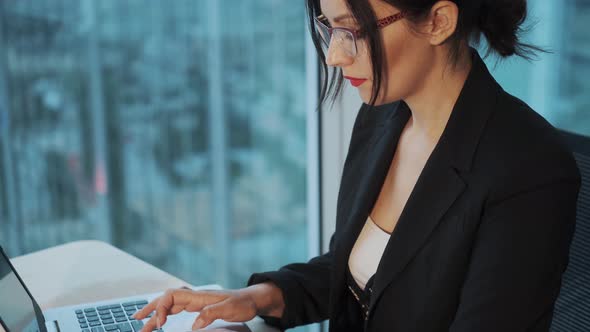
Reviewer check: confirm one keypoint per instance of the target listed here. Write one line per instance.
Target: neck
(433, 104)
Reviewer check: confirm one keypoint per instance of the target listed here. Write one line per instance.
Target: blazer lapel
(363, 175)
(440, 182)
(437, 188)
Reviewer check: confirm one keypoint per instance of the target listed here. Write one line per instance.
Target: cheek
(403, 65)
(404, 68)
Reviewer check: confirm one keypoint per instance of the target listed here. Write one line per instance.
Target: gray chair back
(572, 309)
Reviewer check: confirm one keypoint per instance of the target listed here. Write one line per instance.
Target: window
(180, 131)
(556, 85)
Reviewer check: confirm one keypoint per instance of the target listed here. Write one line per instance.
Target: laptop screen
(17, 308)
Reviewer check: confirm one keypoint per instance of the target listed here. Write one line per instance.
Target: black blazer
(482, 241)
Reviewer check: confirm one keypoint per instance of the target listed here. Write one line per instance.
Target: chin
(366, 98)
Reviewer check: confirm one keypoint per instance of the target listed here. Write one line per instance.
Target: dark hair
(498, 20)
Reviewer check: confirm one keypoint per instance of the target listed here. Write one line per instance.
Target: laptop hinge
(52, 326)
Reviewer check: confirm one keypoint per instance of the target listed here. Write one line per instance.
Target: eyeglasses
(346, 39)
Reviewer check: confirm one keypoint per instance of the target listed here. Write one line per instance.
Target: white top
(367, 251)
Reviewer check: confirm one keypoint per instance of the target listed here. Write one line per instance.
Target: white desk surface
(88, 271)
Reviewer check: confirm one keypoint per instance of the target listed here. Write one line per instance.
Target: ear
(442, 21)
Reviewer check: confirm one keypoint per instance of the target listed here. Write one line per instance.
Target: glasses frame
(381, 23)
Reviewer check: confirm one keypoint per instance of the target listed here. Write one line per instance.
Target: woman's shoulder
(519, 146)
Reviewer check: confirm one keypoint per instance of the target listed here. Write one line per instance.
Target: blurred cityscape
(574, 68)
(556, 83)
(175, 130)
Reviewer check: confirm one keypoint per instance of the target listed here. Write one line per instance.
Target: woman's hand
(239, 305)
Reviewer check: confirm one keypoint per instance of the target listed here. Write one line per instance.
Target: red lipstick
(355, 81)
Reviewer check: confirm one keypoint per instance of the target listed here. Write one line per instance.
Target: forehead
(334, 8)
(339, 8)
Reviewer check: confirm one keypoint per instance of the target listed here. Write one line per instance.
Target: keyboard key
(92, 319)
(111, 328)
(80, 316)
(87, 310)
(137, 325)
(142, 302)
(97, 323)
(85, 330)
(83, 326)
(121, 319)
(78, 311)
(126, 304)
(104, 312)
(125, 327)
(91, 314)
(82, 321)
(97, 329)
(115, 306)
(103, 307)
(140, 306)
(117, 310)
(108, 321)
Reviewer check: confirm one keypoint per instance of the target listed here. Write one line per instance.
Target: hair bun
(500, 21)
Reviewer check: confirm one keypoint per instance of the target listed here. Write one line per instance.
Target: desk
(88, 271)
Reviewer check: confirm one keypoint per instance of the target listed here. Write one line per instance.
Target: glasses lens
(345, 40)
(342, 38)
(324, 33)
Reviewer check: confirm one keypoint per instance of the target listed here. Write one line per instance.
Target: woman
(457, 202)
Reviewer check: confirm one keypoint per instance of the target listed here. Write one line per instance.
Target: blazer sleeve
(305, 288)
(517, 261)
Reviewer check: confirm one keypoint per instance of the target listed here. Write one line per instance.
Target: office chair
(572, 309)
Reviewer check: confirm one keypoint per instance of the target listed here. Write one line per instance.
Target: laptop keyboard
(111, 318)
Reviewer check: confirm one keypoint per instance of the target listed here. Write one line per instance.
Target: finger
(179, 298)
(174, 301)
(145, 311)
(176, 309)
(150, 325)
(166, 303)
(160, 306)
(210, 313)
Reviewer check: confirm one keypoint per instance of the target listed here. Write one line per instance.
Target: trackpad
(184, 321)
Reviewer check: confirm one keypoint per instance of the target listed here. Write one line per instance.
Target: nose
(336, 57)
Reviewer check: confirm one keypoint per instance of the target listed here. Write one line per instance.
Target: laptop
(19, 312)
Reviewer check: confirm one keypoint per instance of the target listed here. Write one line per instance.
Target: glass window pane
(175, 130)
(556, 85)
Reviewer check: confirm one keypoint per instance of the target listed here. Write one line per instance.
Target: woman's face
(407, 59)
